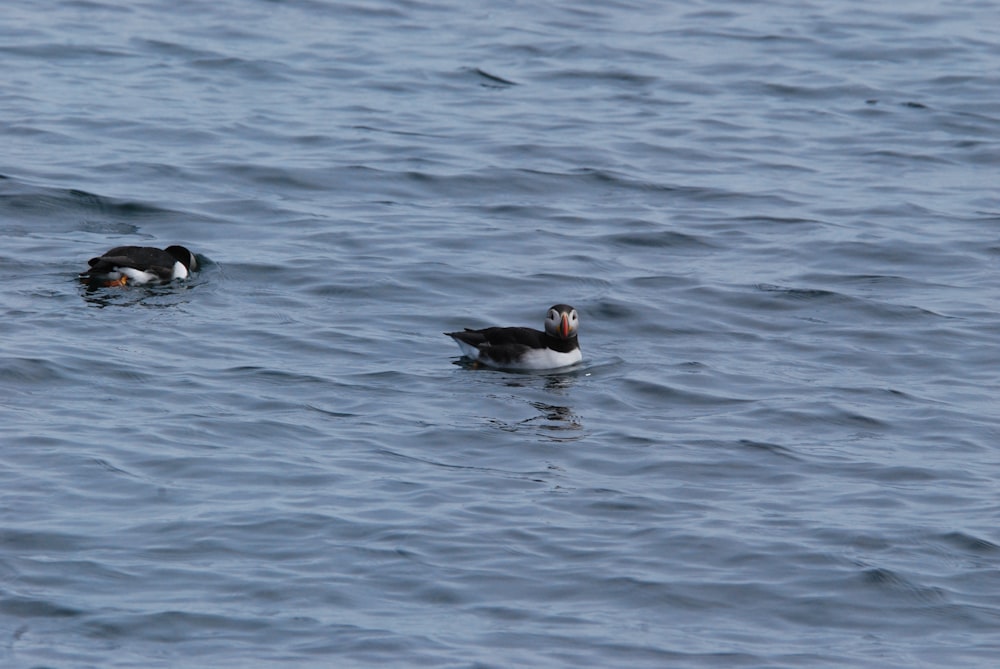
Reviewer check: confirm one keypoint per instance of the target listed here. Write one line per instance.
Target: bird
(521, 348)
(125, 265)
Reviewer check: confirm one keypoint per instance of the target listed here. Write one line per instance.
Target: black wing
(502, 345)
(144, 258)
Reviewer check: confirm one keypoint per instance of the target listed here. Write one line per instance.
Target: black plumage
(150, 264)
(522, 347)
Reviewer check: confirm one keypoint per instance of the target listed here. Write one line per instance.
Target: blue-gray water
(780, 224)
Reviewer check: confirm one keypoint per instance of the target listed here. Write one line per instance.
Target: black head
(183, 256)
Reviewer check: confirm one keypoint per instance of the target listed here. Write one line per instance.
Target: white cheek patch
(180, 271)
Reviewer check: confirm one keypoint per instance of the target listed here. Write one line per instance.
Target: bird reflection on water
(552, 422)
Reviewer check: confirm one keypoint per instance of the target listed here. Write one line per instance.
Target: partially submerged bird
(525, 348)
(125, 265)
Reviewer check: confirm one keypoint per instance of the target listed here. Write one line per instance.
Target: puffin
(520, 348)
(125, 265)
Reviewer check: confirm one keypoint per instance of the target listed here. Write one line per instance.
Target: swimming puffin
(123, 265)
(525, 348)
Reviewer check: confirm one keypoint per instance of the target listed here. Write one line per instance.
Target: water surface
(779, 225)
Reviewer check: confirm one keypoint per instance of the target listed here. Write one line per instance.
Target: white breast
(137, 275)
(467, 349)
(543, 358)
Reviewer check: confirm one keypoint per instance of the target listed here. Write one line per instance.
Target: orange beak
(564, 327)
